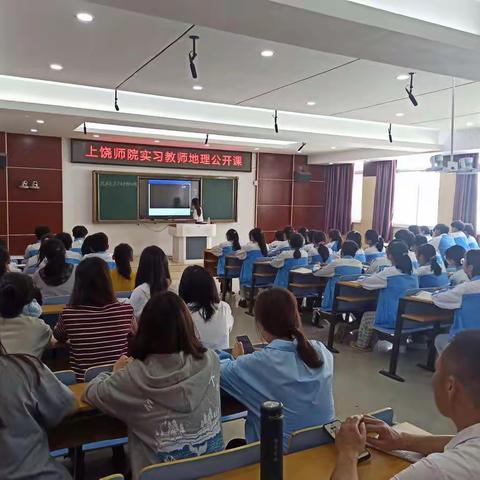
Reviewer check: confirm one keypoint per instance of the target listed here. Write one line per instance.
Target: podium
(190, 240)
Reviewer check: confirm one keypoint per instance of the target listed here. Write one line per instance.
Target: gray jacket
(170, 403)
(27, 409)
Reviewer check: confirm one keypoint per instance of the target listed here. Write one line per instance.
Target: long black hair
(55, 271)
(232, 236)
(324, 252)
(288, 230)
(375, 240)
(355, 237)
(319, 237)
(153, 270)
(4, 261)
(280, 235)
(256, 235)
(43, 244)
(472, 259)
(429, 253)
(303, 231)
(196, 205)
(123, 256)
(16, 291)
(397, 251)
(87, 246)
(406, 236)
(199, 291)
(336, 236)
(296, 242)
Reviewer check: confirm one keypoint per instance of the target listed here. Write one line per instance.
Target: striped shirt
(97, 335)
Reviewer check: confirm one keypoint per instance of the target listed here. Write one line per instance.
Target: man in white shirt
(456, 386)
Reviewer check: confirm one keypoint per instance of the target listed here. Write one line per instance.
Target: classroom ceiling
(231, 70)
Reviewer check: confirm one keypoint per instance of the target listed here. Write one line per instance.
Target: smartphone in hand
(247, 344)
(333, 428)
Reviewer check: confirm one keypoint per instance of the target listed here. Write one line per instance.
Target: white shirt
(63, 289)
(249, 247)
(278, 244)
(435, 241)
(427, 270)
(378, 264)
(458, 235)
(141, 295)
(214, 333)
(217, 250)
(77, 244)
(32, 246)
(106, 256)
(379, 280)
(329, 269)
(279, 260)
(460, 460)
(196, 216)
(458, 277)
(452, 299)
(373, 250)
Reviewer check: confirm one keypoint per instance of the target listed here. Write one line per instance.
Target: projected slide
(169, 198)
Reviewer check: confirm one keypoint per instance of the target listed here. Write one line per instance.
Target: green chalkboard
(116, 197)
(219, 198)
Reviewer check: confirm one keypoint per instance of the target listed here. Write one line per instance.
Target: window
(416, 192)
(357, 191)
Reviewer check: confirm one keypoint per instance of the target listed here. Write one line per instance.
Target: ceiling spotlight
(40, 122)
(267, 53)
(206, 140)
(399, 114)
(390, 138)
(310, 104)
(470, 124)
(117, 108)
(84, 17)
(409, 90)
(275, 121)
(33, 130)
(192, 55)
(403, 76)
(96, 135)
(300, 148)
(197, 87)
(333, 148)
(56, 66)
(84, 128)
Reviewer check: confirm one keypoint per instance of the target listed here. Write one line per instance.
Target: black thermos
(271, 447)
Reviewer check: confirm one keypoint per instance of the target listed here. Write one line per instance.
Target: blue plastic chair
(221, 260)
(247, 267)
(205, 465)
(281, 279)
(432, 281)
(467, 316)
(329, 291)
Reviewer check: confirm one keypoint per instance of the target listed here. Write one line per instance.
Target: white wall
(78, 195)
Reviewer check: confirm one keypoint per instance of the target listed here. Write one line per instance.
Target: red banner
(109, 153)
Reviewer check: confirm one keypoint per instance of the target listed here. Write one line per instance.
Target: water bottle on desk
(271, 437)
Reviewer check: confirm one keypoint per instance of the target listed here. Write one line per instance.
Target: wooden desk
(318, 464)
(424, 312)
(52, 309)
(210, 262)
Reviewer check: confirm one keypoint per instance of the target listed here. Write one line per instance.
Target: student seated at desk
(458, 234)
(212, 318)
(456, 388)
(94, 322)
(57, 277)
(441, 239)
(471, 236)
(454, 257)
(305, 233)
(168, 394)
(256, 244)
(375, 248)
(318, 249)
(279, 241)
(123, 277)
(33, 248)
(415, 229)
(335, 240)
(345, 265)
(288, 231)
(86, 248)
(21, 330)
(404, 279)
(71, 257)
(232, 244)
(79, 233)
(408, 238)
(37, 261)
(98, 244)
(426, 232)
(356, 237)
(32, 400)
(153, 276)
(288, 259)
(430, 272)
(464, 298)
(290, 369)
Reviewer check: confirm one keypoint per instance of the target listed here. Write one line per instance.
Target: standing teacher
(197, 210)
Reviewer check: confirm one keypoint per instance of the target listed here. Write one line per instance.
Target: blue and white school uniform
(221, 251)
(106, 256)
(72, 258)
(457, 276)
(248, 247)
(277, 244)
(249, 253)
(281, 246)
(472, 242)
(277, 372)
(442, 243)
(32, 250)
(315, 257)
(414, 260)
(378, 265)
(465, 299)
(428, 279)
(360, 256)
(77, 245)
(334, 246)
(285, 262)
(32, 265)
(460, 239)
(372, 253)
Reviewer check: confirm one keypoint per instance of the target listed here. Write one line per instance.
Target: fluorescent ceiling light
(96, 136)
(403, 76)
(267, 53)
(197, 87)
(310, 104)
(399, 114)
(33, 130)
(146, 132)
(470, 124)
(84, 17)
(56, 66)
(333, 148)
(40, 122)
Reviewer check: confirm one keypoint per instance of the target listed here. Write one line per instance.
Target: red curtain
(465, 202)
(384, 194)
(338, 202)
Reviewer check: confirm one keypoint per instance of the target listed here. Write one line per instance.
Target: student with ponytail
(123, 277)
(454, 257)
(318, 252)
(32, 400)
(471, 234)
(356, 237)
(375, 246)
(393, 283)
(295, 257)
(291, 369)
(257, 242)
(336, 241)
(280, 241)
(430, 266)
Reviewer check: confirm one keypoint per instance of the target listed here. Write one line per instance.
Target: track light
(84, 128)
(206, 140)
(301, 147)
(117, 108)
(192, 55)
(409, 90)
(275, 121)
(390, 133)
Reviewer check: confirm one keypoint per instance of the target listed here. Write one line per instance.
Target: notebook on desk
(424, 295)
